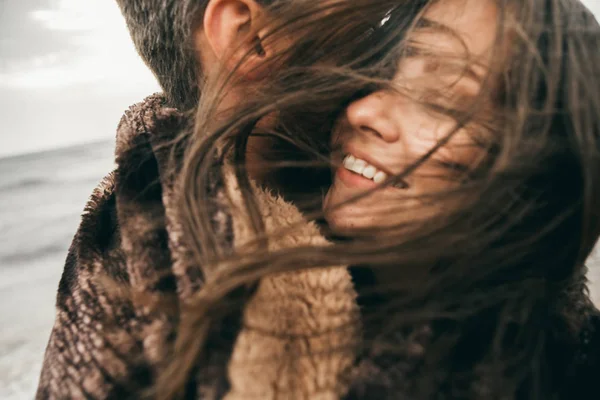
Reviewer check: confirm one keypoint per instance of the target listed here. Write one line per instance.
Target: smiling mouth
(368, 171)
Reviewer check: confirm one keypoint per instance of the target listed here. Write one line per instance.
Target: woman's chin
(337, 226)
(346, 220)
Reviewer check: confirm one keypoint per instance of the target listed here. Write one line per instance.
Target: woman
(465, 194)
(501, 194)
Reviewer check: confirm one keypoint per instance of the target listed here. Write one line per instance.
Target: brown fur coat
(106, 345)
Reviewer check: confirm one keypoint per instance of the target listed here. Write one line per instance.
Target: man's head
(178, 39)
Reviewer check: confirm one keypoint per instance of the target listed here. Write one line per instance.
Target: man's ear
(230, 29)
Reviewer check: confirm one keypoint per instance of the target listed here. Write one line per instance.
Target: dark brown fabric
(109, 341)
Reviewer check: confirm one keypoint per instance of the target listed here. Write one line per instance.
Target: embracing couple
(343, 199)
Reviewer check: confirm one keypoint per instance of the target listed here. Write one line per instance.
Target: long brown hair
(499, 267)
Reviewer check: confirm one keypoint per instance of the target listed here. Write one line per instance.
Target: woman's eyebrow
(430, 25)
(469, 69)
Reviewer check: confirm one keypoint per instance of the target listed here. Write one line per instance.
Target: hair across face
(502, 157)
(380, 135)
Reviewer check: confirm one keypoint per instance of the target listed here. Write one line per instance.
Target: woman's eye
(453, 166)
(410, 51)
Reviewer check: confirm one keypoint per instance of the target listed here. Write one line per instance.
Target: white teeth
(363, 168)
(380, 177)
(349, 162)
(359, 166)
(369, 172)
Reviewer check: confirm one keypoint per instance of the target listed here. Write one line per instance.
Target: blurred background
(68, 70)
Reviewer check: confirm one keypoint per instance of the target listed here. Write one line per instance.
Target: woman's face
(381, 134)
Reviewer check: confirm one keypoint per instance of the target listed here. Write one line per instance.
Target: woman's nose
(373, 115)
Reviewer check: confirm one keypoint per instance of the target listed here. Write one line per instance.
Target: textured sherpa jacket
(111, 343)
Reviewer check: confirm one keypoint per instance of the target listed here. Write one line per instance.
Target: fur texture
(110, 341)
(294, 319)
(107, 344)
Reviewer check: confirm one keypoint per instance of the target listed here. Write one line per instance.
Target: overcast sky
(68, 70)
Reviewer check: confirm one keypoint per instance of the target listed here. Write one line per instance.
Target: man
(108, 340)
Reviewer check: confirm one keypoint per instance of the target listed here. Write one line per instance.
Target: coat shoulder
(581, 382)
(97, 238)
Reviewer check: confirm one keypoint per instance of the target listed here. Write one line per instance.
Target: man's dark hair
(161, 31)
